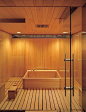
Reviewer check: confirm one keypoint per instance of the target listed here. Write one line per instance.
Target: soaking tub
(41, 79)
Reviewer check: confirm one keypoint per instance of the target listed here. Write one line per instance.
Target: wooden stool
(12, 92)
(2, 91)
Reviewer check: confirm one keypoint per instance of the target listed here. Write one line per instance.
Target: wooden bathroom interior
(34, 52)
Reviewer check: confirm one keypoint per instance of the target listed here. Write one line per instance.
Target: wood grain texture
(64, 49)
(83, 19)
(76, 21)
(38, 53)
(5, 57)
(42, 74)
(83, 71)
(40, 99)
(42, 2)
(41, 83)
(58, 19)
(41, 79)
(18, 57)
(12, 92)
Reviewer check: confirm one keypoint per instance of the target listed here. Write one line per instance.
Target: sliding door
(70, 60)
(64, 59)
(76, 59)
(78, 55)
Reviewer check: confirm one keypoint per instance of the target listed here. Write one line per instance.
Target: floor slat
(39, 99)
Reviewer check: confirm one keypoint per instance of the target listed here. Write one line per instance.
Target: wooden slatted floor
(39, 99)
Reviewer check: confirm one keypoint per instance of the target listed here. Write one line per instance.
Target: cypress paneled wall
(38, 54)
(18, 55)
(5, 57)
(47, 54)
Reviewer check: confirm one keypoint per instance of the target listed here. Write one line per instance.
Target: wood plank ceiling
(38, 12)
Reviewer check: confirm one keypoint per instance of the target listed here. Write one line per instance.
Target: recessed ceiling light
(18, 32)
(65, 32)
(83, 32)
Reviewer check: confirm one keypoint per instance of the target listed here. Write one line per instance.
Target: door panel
(76, 64)
(64, 60)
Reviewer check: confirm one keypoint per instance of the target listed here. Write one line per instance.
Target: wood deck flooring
(39, 99)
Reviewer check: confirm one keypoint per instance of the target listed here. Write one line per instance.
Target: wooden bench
(2, 91)
(12, 92)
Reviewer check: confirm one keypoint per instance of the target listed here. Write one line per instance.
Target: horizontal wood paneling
(5, 56)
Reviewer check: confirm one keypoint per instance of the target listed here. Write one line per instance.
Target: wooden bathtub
(41, 79)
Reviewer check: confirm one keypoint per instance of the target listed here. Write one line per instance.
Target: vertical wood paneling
(18, 2)
(67, 2)
(51, 56)
(77, 51)
(48, 2)
(28, 2)
(18, 51)
(2, 3)
(5, 56)
(40, 14)
(45, 53)
(34, 14)
(50, 14)
(34, 53)
(78, 2)
(58, 2)
(38, 2)
(64, 49)
(18, 12)
(9, 2)
(38, 53)
(28, 25)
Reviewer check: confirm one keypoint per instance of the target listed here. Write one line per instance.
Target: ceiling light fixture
(83, 32)
(18, 32)
(65, 32)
